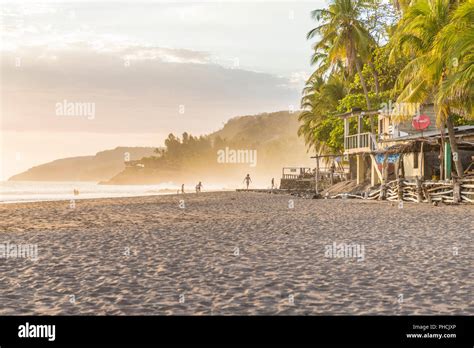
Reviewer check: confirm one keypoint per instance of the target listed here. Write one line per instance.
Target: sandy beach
(236, 253)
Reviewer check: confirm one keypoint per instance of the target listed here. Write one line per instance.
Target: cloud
(168, 55)
(296, 80)
(133, 89)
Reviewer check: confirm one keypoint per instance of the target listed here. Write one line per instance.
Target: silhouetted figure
(273, 183)
(182, 188)
(247, 180)
(198, 187)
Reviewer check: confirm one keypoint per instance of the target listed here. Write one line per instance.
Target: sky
(81, 77)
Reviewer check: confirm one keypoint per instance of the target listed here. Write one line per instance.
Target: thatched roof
(409, 146)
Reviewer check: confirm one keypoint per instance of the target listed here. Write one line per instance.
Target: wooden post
(385, 168)
(402, 165)
(400, 189)
(316, 175)
(447, 160)
(422, 160)
(332, 169)
(346, 133)
(376, 176)
(383, 187)
(456, 191)
(346, 127)
(419, 194)
(454, 147)
(441, 154)
(427, 195)
(359, 127)
(360, 168)
(383, 192)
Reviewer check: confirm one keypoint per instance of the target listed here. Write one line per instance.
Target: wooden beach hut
(391, 150)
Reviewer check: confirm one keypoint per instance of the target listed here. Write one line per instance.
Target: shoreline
(291, 194)
(79, 197)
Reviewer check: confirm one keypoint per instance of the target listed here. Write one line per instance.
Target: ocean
(31, 191)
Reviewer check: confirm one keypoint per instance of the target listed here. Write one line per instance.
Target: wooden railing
(298, 176)
(360, 141)
(290, 176)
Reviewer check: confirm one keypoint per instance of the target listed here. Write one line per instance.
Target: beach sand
(236, 253)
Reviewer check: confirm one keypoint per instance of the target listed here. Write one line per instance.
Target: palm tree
(320, 59)
(320, 98)
(344, 36)
(456, 45)
(429, 75)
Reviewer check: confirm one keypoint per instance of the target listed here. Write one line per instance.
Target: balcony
(363, 142)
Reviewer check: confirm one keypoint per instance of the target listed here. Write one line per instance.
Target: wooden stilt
(383, 187)
(456, 191)
(419, 190)
(400, 189)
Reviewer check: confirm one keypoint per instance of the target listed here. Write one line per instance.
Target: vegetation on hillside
(271, 137)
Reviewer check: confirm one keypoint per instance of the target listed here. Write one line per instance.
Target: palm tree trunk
(441, 153)
(454, 147)
(366, 93)
(362, 82)
(376, 77)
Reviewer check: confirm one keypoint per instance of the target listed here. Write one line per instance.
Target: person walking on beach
(247, 180)
(198, 187)
(182, 189)
(273, 183)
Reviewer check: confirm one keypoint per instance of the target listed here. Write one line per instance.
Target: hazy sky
(80, 77)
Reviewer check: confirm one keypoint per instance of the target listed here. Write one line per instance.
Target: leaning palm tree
(425, 77)
(320, 98)
(309, 117)
(344, 36)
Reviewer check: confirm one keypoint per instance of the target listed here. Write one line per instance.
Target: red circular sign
(421, 122)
